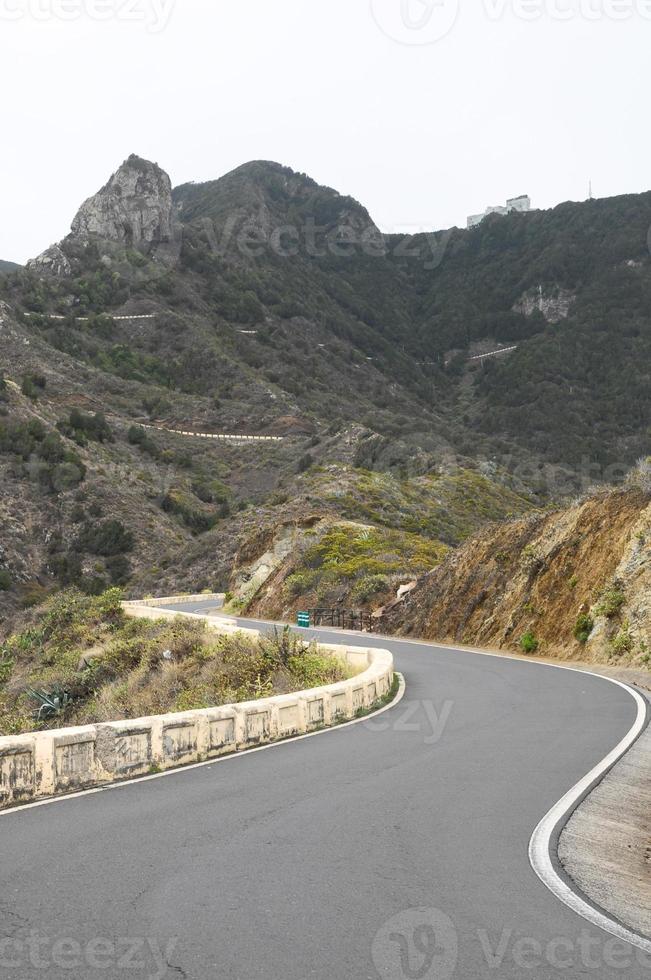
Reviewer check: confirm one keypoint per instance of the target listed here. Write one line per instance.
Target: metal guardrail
(343, 619)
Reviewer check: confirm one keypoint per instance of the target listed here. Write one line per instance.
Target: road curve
(397, 848)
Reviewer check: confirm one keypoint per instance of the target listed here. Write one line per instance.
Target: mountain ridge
(262, 303)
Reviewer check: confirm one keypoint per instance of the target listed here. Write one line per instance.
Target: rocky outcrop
(554, 304)
(134, 207)
(53, 261)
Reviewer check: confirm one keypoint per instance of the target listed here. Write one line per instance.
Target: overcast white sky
(425, 112)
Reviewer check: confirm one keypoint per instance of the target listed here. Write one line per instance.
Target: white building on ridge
(521, 204)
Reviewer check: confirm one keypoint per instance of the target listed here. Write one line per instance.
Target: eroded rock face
(133, 208)
(554, 304)
(540, 573)
(53, 261)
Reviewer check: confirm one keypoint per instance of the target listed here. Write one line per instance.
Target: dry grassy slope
(538, 575)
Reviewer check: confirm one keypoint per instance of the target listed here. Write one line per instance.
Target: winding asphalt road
(395, 848)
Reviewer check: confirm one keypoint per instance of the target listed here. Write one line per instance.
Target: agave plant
(51, 704)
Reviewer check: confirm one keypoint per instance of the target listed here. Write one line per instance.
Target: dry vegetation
(573, 584)
(81, 660)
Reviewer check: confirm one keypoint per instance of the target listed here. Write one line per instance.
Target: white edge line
(541, 841)
(540, 846)
(125, 784)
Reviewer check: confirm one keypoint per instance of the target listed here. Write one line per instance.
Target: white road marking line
(540, 847)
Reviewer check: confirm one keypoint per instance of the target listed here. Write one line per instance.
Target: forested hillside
(264, 304)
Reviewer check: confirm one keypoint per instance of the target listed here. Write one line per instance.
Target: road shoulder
(606, 846)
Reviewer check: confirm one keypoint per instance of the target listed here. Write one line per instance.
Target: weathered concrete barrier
(44, 764)
(175, 599)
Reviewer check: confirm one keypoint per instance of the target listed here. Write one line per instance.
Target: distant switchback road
(396, 848)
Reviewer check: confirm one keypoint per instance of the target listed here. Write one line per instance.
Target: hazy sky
(424, 111)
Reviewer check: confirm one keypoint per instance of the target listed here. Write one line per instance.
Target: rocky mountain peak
(134, 207)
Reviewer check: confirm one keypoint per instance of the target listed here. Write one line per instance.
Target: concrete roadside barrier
(44, 764)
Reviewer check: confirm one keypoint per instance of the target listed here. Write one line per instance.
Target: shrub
(529, 643)
(66, 476)
(610, 603)
(5, 580)
(6, 666)
(623, 642)
(107, 539)
(33, 385)
(370, 586)
(584, 627)
(196, 520)
(119, 568)
(210, 492)
(81, 427)
(137, 436)
(299, 583)
(640, 475)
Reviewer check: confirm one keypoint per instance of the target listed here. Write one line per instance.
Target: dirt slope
(575, 583)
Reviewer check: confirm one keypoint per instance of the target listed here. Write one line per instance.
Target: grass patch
(359, 563)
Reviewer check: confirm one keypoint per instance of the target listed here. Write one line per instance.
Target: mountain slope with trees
(262, 303)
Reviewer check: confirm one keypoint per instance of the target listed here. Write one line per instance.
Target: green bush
(196, 520)
(119, 568)
(107, 539)
(369, 586)
(5, 580)
(623, 643)
(299, 583)
(33, 386)
(54, 467)
(611, 603)
(111, 666)
(82, 428)
(584, 627)
(529, 643)
(137, 436)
